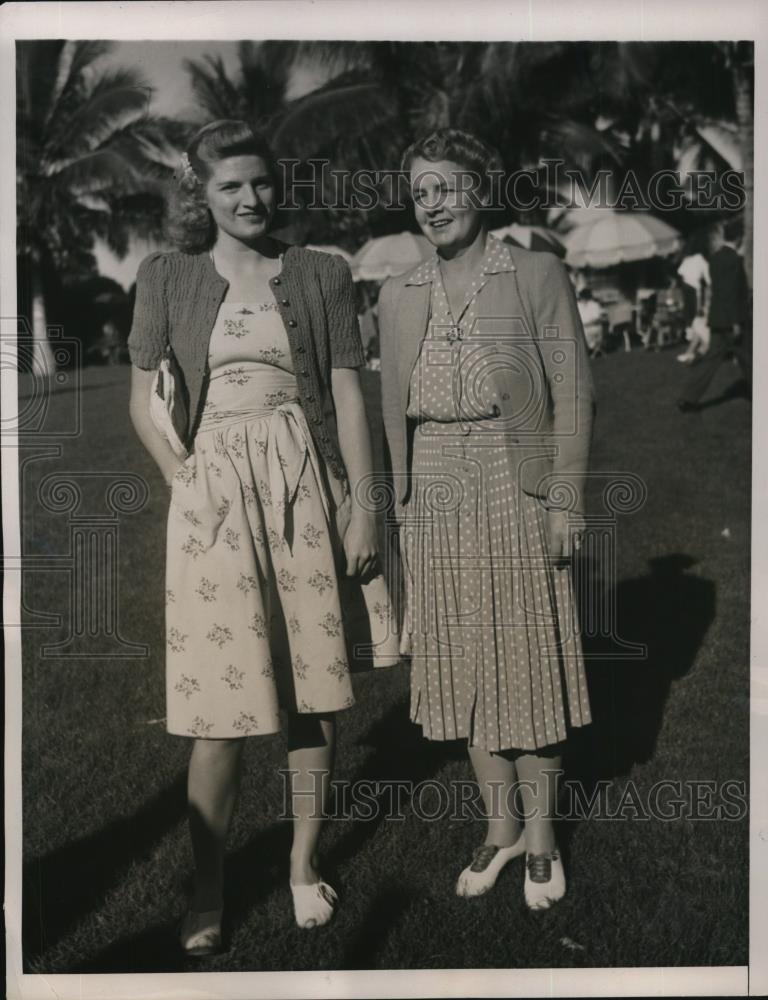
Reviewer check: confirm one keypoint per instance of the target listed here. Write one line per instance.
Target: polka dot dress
(496, 653)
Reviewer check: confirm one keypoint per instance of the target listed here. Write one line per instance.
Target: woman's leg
(496, 775)
(538, 794)
(214, 777)
(311, 745)
(544, 876)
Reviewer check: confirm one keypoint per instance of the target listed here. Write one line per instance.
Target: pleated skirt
(494, 632)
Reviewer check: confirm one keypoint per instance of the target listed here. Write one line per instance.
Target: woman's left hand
(565, 529)
(360, 546)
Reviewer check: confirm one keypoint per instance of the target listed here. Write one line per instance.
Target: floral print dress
(253, 615)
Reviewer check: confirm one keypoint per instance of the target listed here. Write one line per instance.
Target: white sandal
(200, 933)
(487, 861)
(544, 880)
(313, 905)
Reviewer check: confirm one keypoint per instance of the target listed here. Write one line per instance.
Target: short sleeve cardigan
(178, 297)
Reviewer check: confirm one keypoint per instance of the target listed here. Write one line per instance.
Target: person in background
(694, 271)
(697, 336)
(729, 315)
(106, 350)
(591, 313)
(670, 316)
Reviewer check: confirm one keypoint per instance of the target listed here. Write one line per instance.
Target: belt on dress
(289, 448)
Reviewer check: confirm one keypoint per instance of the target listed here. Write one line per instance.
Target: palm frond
(338, 56)
(340, 108)
(274, 59)
(214, 91)
(261, 96)
(102, 170)
(113, 99)
(76, 58)
(138, 216)
(37, 70)
(583, 142)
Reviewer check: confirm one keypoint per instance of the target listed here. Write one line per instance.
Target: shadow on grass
(252, 874)
(669, 611)
(260, 868)
(63, 887)
(385, 910)
(740, 389)
(400, 754)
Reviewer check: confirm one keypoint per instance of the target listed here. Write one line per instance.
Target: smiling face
(241, 196)
(445, 202)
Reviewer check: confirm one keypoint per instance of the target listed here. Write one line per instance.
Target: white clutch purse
(167, 404)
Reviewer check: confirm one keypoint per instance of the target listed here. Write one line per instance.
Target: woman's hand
(360, 545)
(170, 474)
(564, 529)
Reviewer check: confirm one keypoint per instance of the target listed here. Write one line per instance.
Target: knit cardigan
(178, 296)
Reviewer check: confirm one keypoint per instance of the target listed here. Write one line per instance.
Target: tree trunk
(42, 356)
(745, 117)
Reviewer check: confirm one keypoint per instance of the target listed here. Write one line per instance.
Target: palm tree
(89, 163)
(679, 89)
(378, 96)
(298, 127)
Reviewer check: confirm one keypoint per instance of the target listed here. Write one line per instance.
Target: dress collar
(496, 259)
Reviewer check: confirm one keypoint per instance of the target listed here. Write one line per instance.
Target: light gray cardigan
(529, 309)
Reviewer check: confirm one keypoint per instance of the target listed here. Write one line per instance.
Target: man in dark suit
(729, 316)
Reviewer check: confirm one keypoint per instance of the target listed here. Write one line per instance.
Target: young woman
(268, 342)
(488, 405)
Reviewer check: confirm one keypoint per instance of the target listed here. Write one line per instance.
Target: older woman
(267, 339)
(488, 406)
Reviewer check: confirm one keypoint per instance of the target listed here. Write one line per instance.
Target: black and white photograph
(381, 499)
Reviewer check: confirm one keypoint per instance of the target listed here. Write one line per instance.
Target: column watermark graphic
(89, 504)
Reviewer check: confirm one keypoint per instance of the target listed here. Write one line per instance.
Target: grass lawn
(106, 855)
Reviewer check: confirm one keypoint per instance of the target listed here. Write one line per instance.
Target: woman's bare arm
(150, 437)
(360, 545)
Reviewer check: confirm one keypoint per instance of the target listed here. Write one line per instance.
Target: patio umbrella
(531, 238)
(620, 236)
(385, 256)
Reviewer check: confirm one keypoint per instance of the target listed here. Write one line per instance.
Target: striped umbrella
(617, 237)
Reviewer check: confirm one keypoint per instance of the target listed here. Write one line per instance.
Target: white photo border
(523, 20)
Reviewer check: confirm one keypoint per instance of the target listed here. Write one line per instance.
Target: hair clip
(187, 168)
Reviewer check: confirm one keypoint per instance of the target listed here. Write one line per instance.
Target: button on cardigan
(178, 296)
